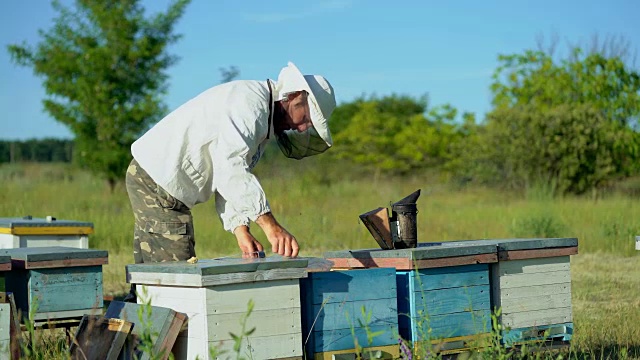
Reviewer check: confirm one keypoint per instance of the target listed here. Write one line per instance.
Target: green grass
(319, 202)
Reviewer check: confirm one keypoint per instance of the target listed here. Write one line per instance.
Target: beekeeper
(208, 147)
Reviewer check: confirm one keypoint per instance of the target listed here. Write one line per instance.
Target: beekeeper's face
(297, 115)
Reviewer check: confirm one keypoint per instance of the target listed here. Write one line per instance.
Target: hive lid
(54, 256)
(43, 226)
(426, 255)
(217, 271)
(423, 251)
(526, 244)
(219, 266)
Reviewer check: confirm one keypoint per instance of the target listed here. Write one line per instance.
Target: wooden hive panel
(443, 303)
(333, 303)
(193, 341)
(533, 292)
(275, 317)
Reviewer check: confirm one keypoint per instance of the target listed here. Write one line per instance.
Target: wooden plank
(377, 222)
(265, 322)
(451, 325)
(220, 266)
(560, 332)
(351, 285)
(265, 347)
(422, 252)
(57, 230)
(407, 264)
(5, 326)
(537, 317)
(165, 324)
(450, 277)
(14, 329)
(99, 338)
(452, 300)
(64, 289)
(5, 263)
(51, 253)
(388, 352)
(194, 280)
(343, 339)
(534, 265)
(271, 295)
(42, 318)
(348, 315)
(525, 244)
(455, 345)
(536, 253)
(193, 340)
(59, 263)
(534, 279)
(542, 302)
(539, 290)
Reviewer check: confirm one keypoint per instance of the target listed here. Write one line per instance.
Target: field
(319, 202)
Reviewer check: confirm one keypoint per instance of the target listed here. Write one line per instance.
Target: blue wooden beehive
(443, 290)
(340, 307)
(64, 282)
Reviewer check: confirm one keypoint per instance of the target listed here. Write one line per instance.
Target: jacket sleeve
(239, 196)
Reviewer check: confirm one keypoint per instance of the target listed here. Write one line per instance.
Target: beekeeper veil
(317, 138)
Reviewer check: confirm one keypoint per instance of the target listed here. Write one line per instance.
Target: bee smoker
(403, 222)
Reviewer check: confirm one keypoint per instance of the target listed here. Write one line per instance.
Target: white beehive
(214, 295)
(40, 232)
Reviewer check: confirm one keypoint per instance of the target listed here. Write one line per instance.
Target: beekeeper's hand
(282, 242)
(248, 244)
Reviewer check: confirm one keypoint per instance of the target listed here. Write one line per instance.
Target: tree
(569, 125)
(568, 149)
(104, 67)
(229, 74)
(395, 133)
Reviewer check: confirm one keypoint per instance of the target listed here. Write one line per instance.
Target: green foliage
(568, 125)
(540, 226)
(103, 65)
(399, 105)
(36, 150)
(570, 149)
(394, 133)
(238, 338)
(534, 78)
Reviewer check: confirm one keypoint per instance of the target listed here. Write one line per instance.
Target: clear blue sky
(446, 49)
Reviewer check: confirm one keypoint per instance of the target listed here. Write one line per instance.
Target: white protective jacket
(209, 146)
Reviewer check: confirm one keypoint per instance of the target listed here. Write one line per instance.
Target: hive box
(63, 282)
(214, 294)
(34, 232)
(443, 291)
(531, 284)
(332, 312)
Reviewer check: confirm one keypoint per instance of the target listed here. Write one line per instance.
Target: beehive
(531, 284)
(340, 308)
(39, 232)
(62, 281)
(443, 291)
(214, 294)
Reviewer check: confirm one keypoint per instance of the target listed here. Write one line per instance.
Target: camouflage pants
(163, 229)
